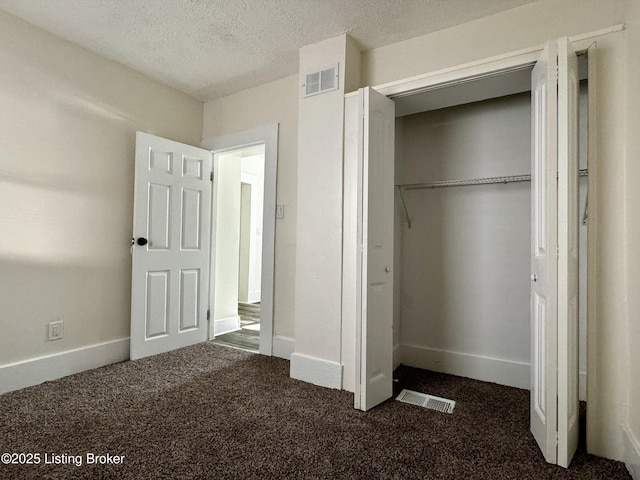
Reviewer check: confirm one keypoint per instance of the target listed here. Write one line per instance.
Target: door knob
(142, 241)
(534, 277)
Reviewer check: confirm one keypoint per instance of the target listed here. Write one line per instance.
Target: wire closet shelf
(462, 183)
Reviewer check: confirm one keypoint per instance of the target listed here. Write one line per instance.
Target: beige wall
(632, 175)
(68, 121)
(275, 102)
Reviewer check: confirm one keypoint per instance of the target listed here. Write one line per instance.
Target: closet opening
(462, 233)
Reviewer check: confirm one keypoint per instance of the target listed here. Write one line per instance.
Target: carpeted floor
(213, 412)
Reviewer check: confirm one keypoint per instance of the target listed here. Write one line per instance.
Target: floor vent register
(427, 401)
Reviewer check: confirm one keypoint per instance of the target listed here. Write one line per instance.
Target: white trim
(268, 135)
(226, 325)
(34, 371)
(632, 453)
(446, 362)
(482, 68)
(487, 369)
(283, 347)
(461, 73)
(596, 33)
(397, 355)
(316, 370)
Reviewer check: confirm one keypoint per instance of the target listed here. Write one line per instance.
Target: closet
(480, 269)
(462, 236)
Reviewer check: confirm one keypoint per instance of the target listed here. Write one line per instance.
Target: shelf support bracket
(404, 205)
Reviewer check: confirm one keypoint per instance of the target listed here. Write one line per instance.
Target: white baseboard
(582, 386)
(27, 373)
(316, 370)
(503, 372)
(495, 370)
(283, 347)
(632, 453)
(397, 355)
(226, 325)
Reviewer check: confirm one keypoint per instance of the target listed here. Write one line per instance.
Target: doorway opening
(463, 230)
(238, 213)
(259, 226)
(469, 300)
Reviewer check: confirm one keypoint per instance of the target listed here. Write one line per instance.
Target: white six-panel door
(171, 228)
(375, 205)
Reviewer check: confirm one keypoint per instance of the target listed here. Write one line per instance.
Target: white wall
(227, 240)
(465, 260)
(274, 102)
(245, 241)
(251, 253)
(527, 26)
(68, 123)
(319, 229)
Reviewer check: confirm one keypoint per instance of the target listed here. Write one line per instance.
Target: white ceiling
(212, 48)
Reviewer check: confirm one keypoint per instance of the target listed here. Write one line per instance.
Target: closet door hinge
(208, 314)
(211, 176)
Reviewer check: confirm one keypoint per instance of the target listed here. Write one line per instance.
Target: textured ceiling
(211, 48)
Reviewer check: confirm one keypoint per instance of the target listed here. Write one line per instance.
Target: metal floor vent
(427, 401)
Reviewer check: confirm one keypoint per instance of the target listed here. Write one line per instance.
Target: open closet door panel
(544, 199)
(170, 267)
(568, 276)
(375, 208)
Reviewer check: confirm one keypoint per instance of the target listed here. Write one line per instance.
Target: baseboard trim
(632, 453)
(27, 373)
(226, 325)
(397, 355)
(318, 371)
(283, 347)
(503, 372)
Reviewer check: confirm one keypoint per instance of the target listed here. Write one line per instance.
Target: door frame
(267, 135)
(502, 64)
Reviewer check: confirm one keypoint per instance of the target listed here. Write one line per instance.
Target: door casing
(267, 135)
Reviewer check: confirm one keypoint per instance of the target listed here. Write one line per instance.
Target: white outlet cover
(56, 330)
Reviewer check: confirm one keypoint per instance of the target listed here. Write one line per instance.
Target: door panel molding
(169, 272)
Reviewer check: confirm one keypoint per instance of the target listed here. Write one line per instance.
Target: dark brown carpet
(217, 413)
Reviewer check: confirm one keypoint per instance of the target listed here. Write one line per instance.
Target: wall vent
(321, 81)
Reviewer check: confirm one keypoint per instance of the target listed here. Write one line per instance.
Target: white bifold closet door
(171, 228)
(374, 310)
(554, 258)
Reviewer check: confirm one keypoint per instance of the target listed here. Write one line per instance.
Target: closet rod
(474, 181)
(583, 172)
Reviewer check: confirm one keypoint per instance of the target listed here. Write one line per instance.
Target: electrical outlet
(56, 330)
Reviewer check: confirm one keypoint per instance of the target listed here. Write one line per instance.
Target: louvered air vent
(427, 401)
(321, 81)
